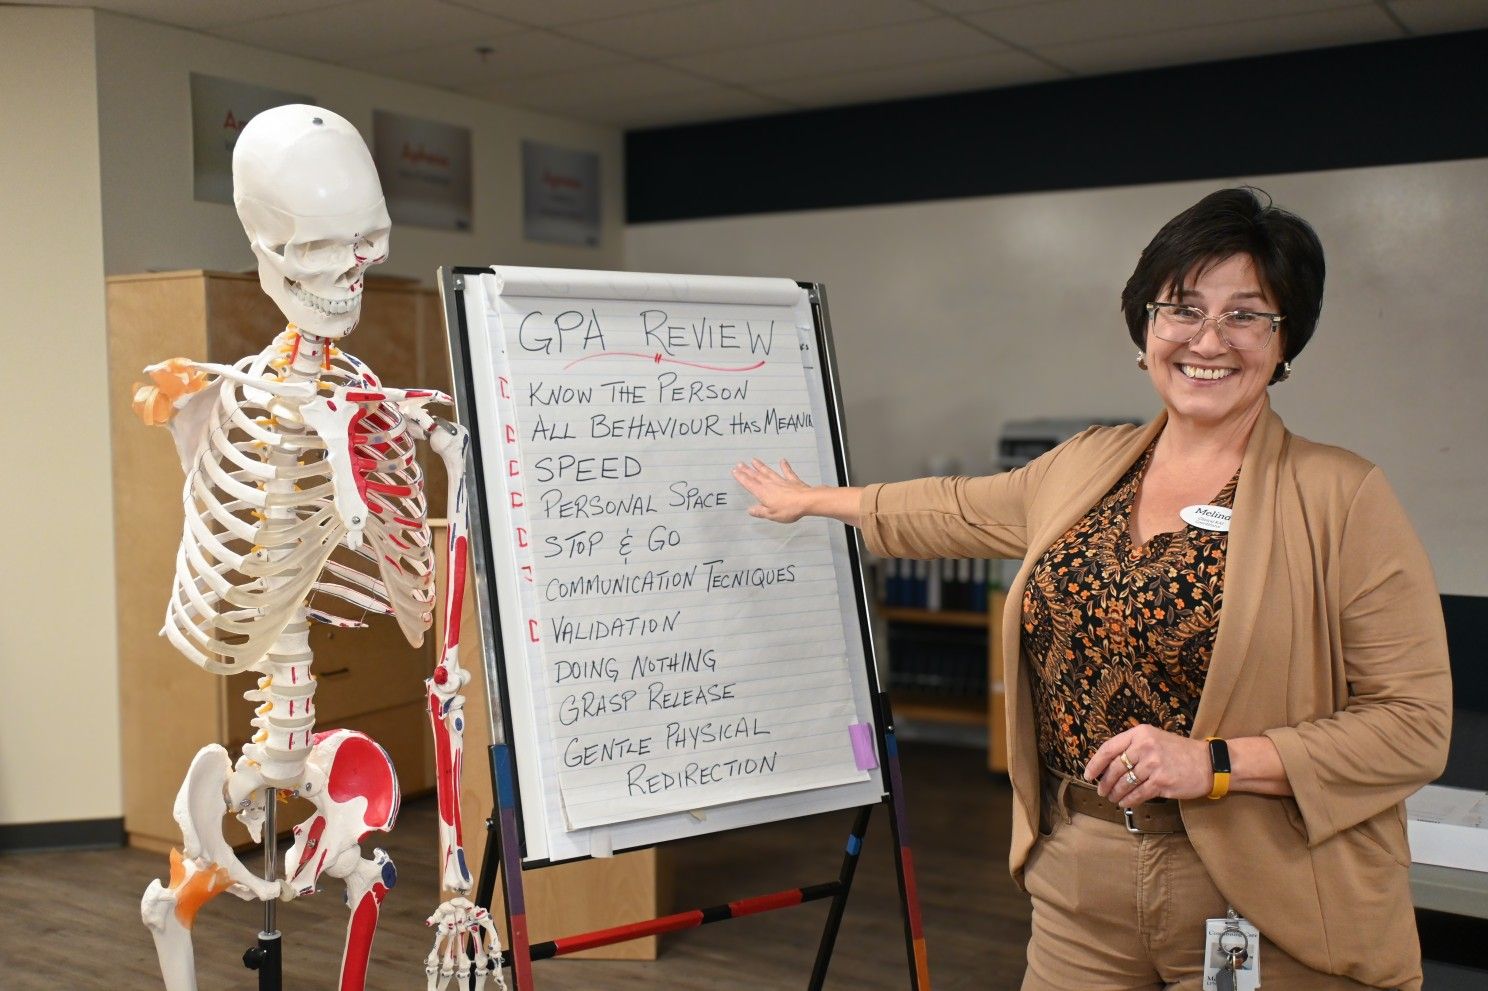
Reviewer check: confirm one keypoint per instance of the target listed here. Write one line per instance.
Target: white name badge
(1215, 518)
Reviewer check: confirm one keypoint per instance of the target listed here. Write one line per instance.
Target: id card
(1221, 936)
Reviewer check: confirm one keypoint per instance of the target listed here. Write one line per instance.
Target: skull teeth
(321, 304)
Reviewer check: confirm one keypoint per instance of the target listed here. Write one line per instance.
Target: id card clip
(1232, 954)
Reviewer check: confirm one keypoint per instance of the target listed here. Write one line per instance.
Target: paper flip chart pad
(679, 654)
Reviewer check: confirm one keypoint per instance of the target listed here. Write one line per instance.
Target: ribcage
(262, 536)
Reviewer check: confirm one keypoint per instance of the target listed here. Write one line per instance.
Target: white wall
(95, 179)
(59, 734)
(953, 317)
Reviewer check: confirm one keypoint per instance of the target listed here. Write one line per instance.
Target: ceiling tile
(550, 13)
(894, 44)
(1068, 21)
(367, 29)
(1427, 16)
(1320, 29)
(967, 6)
(722, 103)
(717, 24)
(568, 92)
(1006, 68)
(527, 53)
(198, 14)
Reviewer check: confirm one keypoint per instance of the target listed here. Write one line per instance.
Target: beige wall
(95, 179)
(951, 318)
(151, 220)
(58, 739)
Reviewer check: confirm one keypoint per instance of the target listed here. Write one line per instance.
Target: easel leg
(485, 887)
(909, 897)
(511, 866)
(839, 901)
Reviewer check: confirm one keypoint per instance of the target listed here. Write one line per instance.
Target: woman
(1209, 575)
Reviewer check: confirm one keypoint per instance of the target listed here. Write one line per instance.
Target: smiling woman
(1231, 662)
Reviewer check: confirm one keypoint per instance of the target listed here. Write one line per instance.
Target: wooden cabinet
(370, 679)
(990, 708)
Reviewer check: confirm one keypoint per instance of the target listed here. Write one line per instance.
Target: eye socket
(1186, 314)
(322, 249)
(1245, 318)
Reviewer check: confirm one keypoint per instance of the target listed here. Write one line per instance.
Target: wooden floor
(71, 920)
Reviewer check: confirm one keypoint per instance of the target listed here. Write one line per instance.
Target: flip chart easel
(660, 664)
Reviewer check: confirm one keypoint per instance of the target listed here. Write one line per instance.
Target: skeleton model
(301, 486)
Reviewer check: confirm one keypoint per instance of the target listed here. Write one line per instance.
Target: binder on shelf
(979, 585)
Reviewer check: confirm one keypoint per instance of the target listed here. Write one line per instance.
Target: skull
(308, 196)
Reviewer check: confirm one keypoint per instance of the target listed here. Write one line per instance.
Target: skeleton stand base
(267, 957)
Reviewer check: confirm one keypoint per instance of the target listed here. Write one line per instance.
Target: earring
(1285, 373)
(1142, 360)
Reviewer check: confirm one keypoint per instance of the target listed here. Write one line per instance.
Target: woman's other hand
(1165, 765)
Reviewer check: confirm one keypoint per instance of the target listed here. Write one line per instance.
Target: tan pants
(1118, 912)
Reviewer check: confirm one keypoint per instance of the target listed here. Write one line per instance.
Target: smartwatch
(1219, 759)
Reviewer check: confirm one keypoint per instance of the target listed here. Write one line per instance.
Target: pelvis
(351, 781)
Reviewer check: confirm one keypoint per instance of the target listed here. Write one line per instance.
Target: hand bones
(465, 940)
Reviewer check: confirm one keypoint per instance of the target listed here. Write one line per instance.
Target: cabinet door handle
(334, 672)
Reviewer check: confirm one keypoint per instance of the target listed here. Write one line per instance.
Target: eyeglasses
(1241, 330)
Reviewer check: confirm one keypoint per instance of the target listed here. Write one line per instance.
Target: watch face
(1219, 756)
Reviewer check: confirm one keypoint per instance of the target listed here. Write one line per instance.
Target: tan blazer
(1330, 642)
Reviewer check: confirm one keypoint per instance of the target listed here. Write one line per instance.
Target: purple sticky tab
(864, 752)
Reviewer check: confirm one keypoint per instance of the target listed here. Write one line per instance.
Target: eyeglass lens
(1240, 329)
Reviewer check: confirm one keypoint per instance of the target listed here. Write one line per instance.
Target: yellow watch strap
(1219, 755)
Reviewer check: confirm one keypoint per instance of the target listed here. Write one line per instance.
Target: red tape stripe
(765, 903)
(636, 930)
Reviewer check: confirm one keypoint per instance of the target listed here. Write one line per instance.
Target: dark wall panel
(1414, 100)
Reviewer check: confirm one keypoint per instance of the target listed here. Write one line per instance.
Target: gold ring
(1126, 761)
(1131, 776)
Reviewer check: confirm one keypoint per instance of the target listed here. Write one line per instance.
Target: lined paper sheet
(690, 656)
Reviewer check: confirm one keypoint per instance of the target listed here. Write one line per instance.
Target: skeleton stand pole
(267, 956)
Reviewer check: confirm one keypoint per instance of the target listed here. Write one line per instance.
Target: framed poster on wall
(219, 110)
(425, 170)
(560, 194)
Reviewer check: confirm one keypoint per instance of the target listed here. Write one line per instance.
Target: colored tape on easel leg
(864, 752)
(506, 793)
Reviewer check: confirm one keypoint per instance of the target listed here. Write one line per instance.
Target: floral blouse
(1118, 634)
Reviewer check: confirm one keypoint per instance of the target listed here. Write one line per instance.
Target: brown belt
(1158, 815)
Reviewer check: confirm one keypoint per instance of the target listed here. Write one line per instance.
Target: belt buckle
(1131, 824)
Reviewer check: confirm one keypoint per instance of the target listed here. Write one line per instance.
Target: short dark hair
(1286, 251)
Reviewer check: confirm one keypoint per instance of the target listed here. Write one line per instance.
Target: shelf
(933, 617)
(977, 720)
(969, 710)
